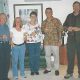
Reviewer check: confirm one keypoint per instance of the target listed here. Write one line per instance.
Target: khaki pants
(52, 50)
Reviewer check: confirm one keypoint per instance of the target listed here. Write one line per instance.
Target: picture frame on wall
(24, 10)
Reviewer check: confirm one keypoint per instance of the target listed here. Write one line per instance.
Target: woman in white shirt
(33, 42)
(18, 48)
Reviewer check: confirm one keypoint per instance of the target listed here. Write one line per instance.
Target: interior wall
(60, 8)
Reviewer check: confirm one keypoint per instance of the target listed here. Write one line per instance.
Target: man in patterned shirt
(51, 28)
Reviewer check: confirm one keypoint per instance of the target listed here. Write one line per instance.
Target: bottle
(52, 60)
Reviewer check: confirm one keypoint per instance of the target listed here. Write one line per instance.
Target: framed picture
(24, 10)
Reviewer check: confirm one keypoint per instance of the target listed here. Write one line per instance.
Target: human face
(18, 22)
(49, 13)
(76, 7)
(2, 19)
(33, 18)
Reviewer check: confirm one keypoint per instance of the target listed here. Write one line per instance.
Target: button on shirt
(4, 30)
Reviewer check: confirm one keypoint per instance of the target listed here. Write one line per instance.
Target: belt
(18, 44)
(4, 42)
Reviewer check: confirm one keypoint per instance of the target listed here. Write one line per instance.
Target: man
(4, 48)
(72, 25)
(51, 28)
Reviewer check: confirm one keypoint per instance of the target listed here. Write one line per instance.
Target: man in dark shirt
(72, 25)
(4, 48)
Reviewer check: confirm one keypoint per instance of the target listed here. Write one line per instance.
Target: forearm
(1, 36)
(42, 30)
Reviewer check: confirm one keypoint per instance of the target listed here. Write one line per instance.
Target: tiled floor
(49, 76)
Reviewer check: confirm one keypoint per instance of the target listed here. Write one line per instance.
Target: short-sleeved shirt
(33, 28)
(4, 30)
(53, 35)
(17, 36)
(74, 21)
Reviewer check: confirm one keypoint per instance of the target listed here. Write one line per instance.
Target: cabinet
(63, 56)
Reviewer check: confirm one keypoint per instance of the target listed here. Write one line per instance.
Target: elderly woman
(33, 42)
(4, 47)
(18, 48)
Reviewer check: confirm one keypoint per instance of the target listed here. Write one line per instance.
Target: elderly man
(51, 28)
(4, 47)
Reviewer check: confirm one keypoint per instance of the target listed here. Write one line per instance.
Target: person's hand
(33, 34)
(25, 37)
(12, 44)
(70, 28)
(46, 30)
(4, 37)
(59, 43)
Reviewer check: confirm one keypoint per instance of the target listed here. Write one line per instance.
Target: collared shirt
(74, 21)
(30, 29)
(53, 35)
(4, 30)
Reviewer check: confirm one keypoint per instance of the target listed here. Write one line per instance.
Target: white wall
(60, 8)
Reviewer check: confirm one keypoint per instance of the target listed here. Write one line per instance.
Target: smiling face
(49, 13)
(76, 7)
(33, 18)
(17, 22)
(3, 18)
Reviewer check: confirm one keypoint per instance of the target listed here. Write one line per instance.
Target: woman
(33, 42)
(5, 48)
(18, 48)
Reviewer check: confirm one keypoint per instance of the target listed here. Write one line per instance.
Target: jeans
(34, 54)
(5, 50)
(18, 53)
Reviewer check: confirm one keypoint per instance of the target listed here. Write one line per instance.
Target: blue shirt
(4, 30)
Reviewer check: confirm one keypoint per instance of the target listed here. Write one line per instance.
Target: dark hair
(14, 23)
(49, 8)
(33, 13)
(76, 2)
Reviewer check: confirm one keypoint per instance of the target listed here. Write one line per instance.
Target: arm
(76, 28)
(44, 28)
(66, 25)
(37, 31)
(1, 36)
(25, 36)
(60, 29)
(11, 42)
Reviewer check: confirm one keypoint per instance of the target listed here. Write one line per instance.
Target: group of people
(15, 40)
